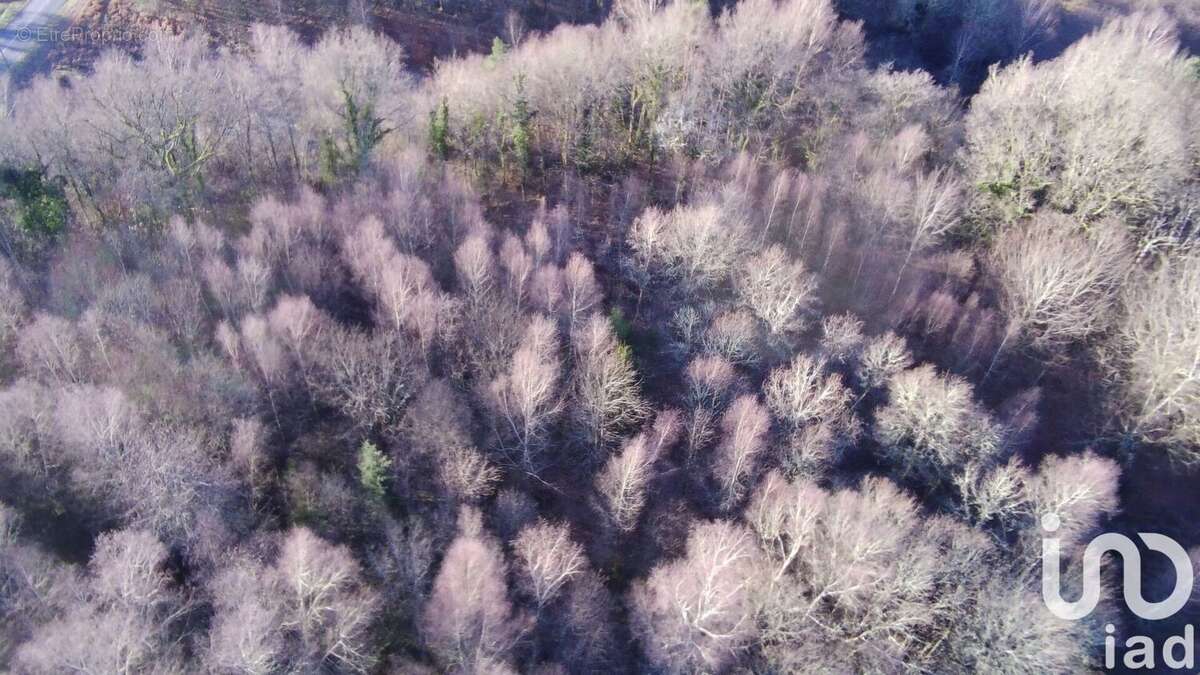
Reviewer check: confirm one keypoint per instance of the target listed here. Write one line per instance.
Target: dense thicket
(670, 344)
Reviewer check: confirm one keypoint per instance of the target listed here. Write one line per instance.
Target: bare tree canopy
(639, 336)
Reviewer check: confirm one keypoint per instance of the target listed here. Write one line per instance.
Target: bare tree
(548, 560)
(792, 43)
(1105, 137)
(402, 560)
(95, 420)
(152, 475)
(368, 377)
(605, 397)
(812, 451)
(884, 357)
(469, 622)
(785, 517)
(778, 290)
(466, 473)
(297, 322)
(1078, 489)
(647, 240)
(310, 610)
(34, 584)
(581, 293)
(842, 338)
(266, 356)
(622, 482)
(582, 634)
(701, 244)
(854, 563)
(1159, 342)
(401, 285)
(709, 381)
(249, 454)
(932, 210)
(697, 613)
(245, 636)
(223, 286)
(128, 620)
(547, 289)
(512, 512)
(636, 11)
(24, 420)
(1059, 285)
(12, 307)
(515, 28)
(932, 426)
(526, 396)
(801, 394)
(1038, 20)
(402, 280)
(538, 242)
(367, 250)
(50, 348)
(326, 602)
(1020, 632)
(432, 319)
(518, 267)
(744, 428)
(475, 264)
(996, 495)
(733, 335)
(438, 419)
(254, 282)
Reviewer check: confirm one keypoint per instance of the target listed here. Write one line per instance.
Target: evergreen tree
(373, 468)
(439, 130)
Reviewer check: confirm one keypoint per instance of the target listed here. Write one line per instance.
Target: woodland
(756, 337)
